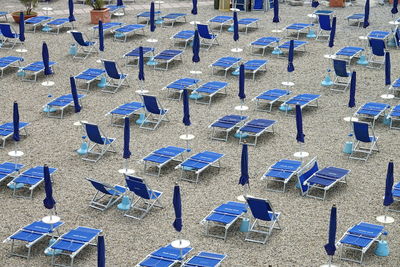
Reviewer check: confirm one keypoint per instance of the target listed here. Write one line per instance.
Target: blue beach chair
(166, 57)
(32, 70)
(98, 144)
(106, 195)
(4, 14)
(115, 78)
(122, 33)
(382, 35)
(297, 28)
(173, 18)
(205, 259)
(85, 48)
(225, 125)
(35, 22)
(209, 90)
(394, 116)
(363, 137)
(207, 37)
(57, 24)
(347, 53)
(161, 157)
(248, 23)
(9, 169)
(155, 113)
(9, 37)
(358, 18)
(88, 76)
(7, 130)
(255, 128)
(116, 10)
(304, 100)
(263, 43)
(133, 55)
(185, 37)
(226, 64)
(166, 256)
(125, 110)
(221, 21)
(255, 65)
(281, 172)
(342, 76)
(9, 62)
(378, 49)
(372, 111)
(177, 87)
(325, 26)
(60, 104)
(269, 97)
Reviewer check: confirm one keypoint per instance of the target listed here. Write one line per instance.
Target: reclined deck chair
(185, 36)
(107, 27)
(115, 78)
(146, 16)
(282, 172)
(177, 87)
(324, 26)
(30, 235)
(207, 37)
(125, 110)
(149, 197)
(198, 163)
(347, 53)
(208, 90)
(205, 259)
(396, 196)
(166, 57)
(97, 139)
(57, 24)
(223, 216)
(361, 136)
(35, 22)
(255, 65)
(7, 130)
(359, 238)
(248, 23)
(255, 128)
(342, 76)
(225, 125)
(372, 111)
(155, 113)
(9, 36)
(133, 55)
(394, 116)
(378, 49)
(161, 157)
(32, 70)
(297, 45)
(225, 63)
(269, 97)
(9, 62)
(265, 219)
(166, 256)
(29, 179)
(73, 242)
(173, 18)
(304, 100)
(88, 76)
(85, 48)
(221, 21)
(106, 194)
(297, 28)
(60, 104)
(122, 33)
(9, 169)
(358, 18)
(116, 10)
(263, 43)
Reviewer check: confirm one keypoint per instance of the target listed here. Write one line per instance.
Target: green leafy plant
(29, 5)
(95, 4)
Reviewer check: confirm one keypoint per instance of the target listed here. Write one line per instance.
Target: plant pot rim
(100, 10)
(18, 12)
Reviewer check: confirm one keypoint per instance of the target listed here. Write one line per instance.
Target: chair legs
(143, 209)
(264, 230)
(101, 151)
(365, 150)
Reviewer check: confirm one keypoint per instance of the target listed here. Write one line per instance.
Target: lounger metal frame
(268, 179)
(216, 130)
(4, 137)
(178, 157)
(96, 203)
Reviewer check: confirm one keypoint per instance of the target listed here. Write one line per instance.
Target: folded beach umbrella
(352, 98)
(152, 17)
(299, 125)
(194, 9)
(21, 27)
(101, 36)
(366, 14)
(176, 201)
(71, 17)
(235, 27)
(314, 4)
(330, 248)
(101, 251)
(290, 67)
(127, 135)
(394, 9)
(196, 47)
(74, 94)
(16, 136)
(388, 199)
(241, 94)
(186, 112)
(49, 201)
(332, 33)
(387, 69)
(141, 64)
(120, 3)
(276, 12)
(244, 166)
(45, 58)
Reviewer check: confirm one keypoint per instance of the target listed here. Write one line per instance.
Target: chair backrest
(78, 37)
(204, 31)
(260, 208)
(361, 131)
(377, 47)
(99, 186)
(111, 69)
(340, 68)
(6, 31)
(325, 22)
(93, 133)
(151, 104)
(138, 187)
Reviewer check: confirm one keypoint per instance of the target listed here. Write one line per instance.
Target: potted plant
(28, 13)
(99, 12)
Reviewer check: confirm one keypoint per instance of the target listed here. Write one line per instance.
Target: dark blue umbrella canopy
(330, 248)
(45, 58)
(196, 47)
(176, 201)
(74, 94)
(299, 125)
(141, 64)
(366, 14)
(241, 94)
(152, 17)
(127, 136)
(101, 251)
(332, 33)
(235, 27)
(49, 201)
(101, 36)
(71, 17)
(186, 112)
(394, 9)
(244, 166)
(314, 4)
(194, 9)
(290, 66)
(388, 200)
(16, 122)
(21, 27)
(352, 98)
(120, 3)
(387, 69)
(276, 11)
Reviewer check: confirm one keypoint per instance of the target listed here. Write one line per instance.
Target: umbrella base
(277, 51)
(327, 81)
(142, 119)
(46, 29)
(195, 72)
(311, 34)
(15, 153)
(126, 171)
(102, 83)
(180, 243)
(125, 203)
(48, 109)
(235, 72)
(382, 249)
(385, 219)
(51, 219)
(49, 251)
(195, 96)
(348, 147)
(245, 225)
(363, 60)
(240, 135)
(285, 108)
(15, 186)
(387, 120)
(329, 265)
(83, 149)
(301, 154)
(276, 31)
(151, 62)
(230, 29)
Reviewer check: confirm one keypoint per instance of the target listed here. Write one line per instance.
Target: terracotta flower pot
(15, 15)
(103, 15)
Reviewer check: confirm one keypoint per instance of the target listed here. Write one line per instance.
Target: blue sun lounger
(297, 45)
(133, 55)
(30, 235)
(205, 259)
(116, 10)
(88, 76)
(166, 256)
(225, 125)
(60, 104)
(106, 194)
(348, 53)
(303, 100)
(225, 63)
(281, 172)
(35, 69)
(178, 86)
(173, 18)
(248, 23)
(73, 242)
(358, 18)
(122, 33)
(146, 16)
(269, 97)
(8, 169)
(359, 238)
(7, 130)
(208, 90)
(198, 163)
(29, 179)
(166, 57)
(185, 36)
(4, 14)
(297, 28)
(255, 128)
(57, 24)
(125, 110)
(223, 216)
(255, 65)
(161, 157)
(35, 22)
(221, 21)
(263, 43)
(9, 36)
(9, 62)
(394, 116)
(383, 35)
(372, 110)
(107, 27)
